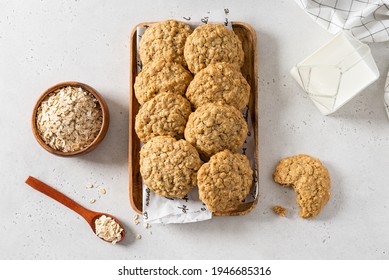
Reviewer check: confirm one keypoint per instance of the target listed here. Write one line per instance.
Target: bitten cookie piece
(212, 43)
(219, 82)
(215, 127)
(164, 115)
(309, 179)
(169, 166)
(164, 40)
(161, 76)
(225, 181)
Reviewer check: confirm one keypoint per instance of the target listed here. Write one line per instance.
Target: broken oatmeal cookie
(309, 179)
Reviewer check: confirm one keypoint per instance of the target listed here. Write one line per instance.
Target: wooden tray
(249, 70)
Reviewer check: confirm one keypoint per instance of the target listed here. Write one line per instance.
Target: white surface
(45, 42)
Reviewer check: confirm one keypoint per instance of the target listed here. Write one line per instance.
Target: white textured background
(45, 42)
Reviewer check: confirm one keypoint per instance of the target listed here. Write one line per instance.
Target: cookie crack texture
(219, 82)
(309, 179)
(215, 127)
(164, 115)
(212, 43)
(169, 166)
(164, 40)
(225, 181)
(161, 76)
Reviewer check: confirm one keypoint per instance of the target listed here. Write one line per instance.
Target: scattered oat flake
(146, 225)
(136, 216)
(138, 236)
(92, 200)
(102, 191)
(136, 222)
(279, 210)
(89, 185)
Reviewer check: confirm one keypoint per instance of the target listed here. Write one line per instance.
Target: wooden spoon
(88, 215)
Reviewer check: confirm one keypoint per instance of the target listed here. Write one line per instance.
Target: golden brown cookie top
(212, 43)
(215, 127)
(310, 180)
(164, 40)
(225, 181)
(169, 166)
(219, 82)
(161, 76)
(164, 115)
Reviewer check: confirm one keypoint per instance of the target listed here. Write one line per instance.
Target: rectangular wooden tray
(249, 70)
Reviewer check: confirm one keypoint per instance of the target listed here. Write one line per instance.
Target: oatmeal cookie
(164, 115)
(215, 127)
(161, 76)
(169, 166)
(164, 40)
(219, 82)
(309, 179)
(225, 181)
(211, 43)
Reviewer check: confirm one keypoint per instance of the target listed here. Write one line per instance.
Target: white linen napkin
(367, 20)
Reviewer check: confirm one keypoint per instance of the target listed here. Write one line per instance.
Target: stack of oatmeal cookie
(182, 148)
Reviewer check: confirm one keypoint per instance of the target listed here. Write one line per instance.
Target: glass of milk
(336, 72)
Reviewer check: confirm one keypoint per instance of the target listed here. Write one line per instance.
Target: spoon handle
(60, 197)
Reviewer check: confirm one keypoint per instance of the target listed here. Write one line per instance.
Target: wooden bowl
(99, 137)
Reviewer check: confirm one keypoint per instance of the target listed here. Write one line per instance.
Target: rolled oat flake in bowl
(69, 119)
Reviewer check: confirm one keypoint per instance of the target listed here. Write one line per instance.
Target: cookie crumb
(280, 211)
(92, 200)
(89, 185)
(102, 190)
(146, 225)
(138, 236)
(136, 216)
